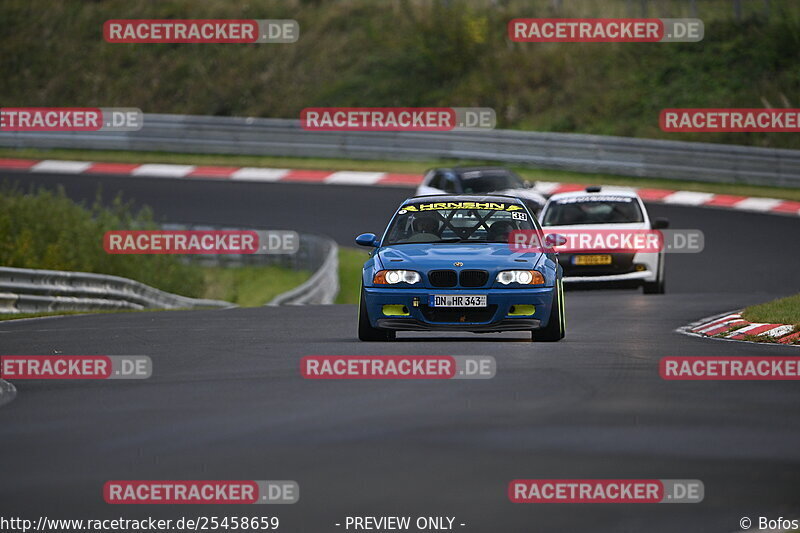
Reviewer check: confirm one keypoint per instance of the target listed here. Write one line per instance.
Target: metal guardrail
(312, 252)
(24, 290)
(577, 152)
(322, 287)
(32, 291)
(7, 392)
(316, 253)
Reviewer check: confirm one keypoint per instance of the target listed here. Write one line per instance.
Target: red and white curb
(258, 174)
(347, 177)
(731, 326)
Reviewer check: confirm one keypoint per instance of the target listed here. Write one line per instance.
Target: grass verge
(250, 286)
(351, 261)
(781, 311)
(404, 167)
(245, 286)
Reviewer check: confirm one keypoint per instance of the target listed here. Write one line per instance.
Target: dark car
(481, 180)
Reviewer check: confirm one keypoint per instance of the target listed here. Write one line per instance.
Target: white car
(599, 208)
(481, 180)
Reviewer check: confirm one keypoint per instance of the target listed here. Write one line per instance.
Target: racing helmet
(425, 223)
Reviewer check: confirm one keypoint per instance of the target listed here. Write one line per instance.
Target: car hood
(426, 256)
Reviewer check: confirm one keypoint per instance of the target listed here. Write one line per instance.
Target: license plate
(591, 259)
(457, 300)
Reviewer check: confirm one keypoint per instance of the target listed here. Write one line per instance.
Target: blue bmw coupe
(444, 263)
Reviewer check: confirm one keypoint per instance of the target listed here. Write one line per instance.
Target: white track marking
(778, 332)
(61, 167)
(546, 187)
(688, 198)
(719, 321)
(355, 178)
(724, 323)
(163, 171)
(259, 174)
(741, 331)
(757, 204)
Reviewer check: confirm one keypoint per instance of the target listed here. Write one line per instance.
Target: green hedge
(407, 53)
(45, 229)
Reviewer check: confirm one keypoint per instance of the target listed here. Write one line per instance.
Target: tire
(556, 328)
(653, 287)
(365, 330)
(562, 312)
(657, 286)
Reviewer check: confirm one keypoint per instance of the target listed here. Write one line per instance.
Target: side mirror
(528, 184)
(367, 239)
(660, 223)
(552, 240)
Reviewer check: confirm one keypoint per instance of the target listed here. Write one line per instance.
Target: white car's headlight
(392, 277)
(523, 277)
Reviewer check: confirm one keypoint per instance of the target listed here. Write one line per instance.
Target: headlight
(523, 277)
(392, 277)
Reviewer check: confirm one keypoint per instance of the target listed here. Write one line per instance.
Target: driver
(425, 227)
(500, 230)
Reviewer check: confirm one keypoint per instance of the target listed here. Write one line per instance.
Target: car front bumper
(644, 275)
(624, 267)
(507, 309)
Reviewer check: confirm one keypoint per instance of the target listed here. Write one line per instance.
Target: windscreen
(457, 222)
(593, 210)
(489, 182)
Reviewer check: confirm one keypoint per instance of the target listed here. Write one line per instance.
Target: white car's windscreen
(593, 210)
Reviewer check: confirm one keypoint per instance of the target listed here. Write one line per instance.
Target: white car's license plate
(457, 300)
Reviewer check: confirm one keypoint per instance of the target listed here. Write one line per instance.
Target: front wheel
(365, 330)
(556, 327)
(657, 286)
(653, 287)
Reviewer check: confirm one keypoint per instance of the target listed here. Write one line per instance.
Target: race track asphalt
(227, 401)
